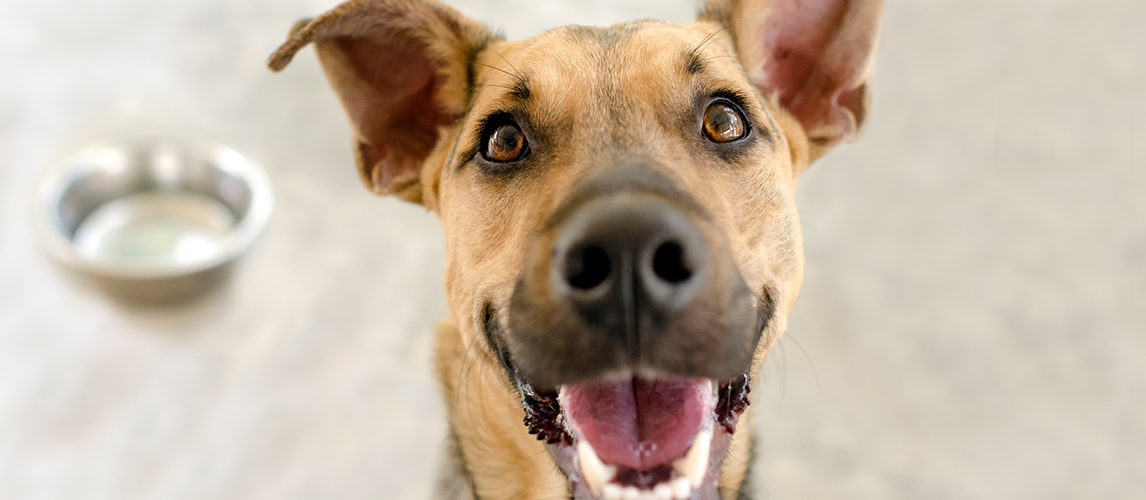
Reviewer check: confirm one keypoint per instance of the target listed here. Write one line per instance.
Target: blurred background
(972, 324)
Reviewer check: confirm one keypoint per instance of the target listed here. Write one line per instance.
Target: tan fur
(485, 415)
(607, 109)
(485, 234)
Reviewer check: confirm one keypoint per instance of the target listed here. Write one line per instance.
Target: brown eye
(506, 143)
(723, 123)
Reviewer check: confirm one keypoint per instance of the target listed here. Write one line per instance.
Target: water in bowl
(155, 229)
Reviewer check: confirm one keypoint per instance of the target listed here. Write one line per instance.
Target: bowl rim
(61, 174)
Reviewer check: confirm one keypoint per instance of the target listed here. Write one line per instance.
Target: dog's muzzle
(631, 332)
(630, 278)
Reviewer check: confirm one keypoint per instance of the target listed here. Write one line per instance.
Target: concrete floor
(972, 325)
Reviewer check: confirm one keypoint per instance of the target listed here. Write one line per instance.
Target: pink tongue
(638, 423)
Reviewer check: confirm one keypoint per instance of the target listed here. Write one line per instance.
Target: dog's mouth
(638, 437)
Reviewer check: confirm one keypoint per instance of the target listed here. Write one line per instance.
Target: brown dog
(622, 244)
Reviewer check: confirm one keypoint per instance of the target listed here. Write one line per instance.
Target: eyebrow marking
(692, 63)
(520, 88)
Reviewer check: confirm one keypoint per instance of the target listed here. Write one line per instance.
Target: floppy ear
(813, 56)
(400, 68)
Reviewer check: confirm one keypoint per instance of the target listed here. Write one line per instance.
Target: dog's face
(621, 236)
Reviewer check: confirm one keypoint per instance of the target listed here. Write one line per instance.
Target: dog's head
(621, 236)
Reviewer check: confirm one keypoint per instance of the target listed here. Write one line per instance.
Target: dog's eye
(723, 123)
(506, 143)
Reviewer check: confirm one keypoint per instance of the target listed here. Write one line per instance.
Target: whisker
(705, 41)
(519, 75)
(490, 66)
(694, 55)
(495, 68)
(815, 376)
(725, 56)
(783, 365)
(463, 377)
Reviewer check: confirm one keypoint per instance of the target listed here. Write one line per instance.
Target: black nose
(628, 264)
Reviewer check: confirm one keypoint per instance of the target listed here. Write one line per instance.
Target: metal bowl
(152, 215)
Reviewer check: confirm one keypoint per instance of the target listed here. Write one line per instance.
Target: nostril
(669, 264)
(587, 267)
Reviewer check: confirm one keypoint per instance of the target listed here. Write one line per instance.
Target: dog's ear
(400, 68)
(813, 56)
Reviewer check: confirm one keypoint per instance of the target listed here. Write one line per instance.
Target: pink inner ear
(390, 101)
(816, 54)
(795, 38)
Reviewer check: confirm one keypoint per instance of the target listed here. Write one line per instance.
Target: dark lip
(544, 418)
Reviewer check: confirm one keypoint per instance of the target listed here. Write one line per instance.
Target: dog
(622, 242)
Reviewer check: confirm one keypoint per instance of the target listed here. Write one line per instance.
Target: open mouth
(633, 437)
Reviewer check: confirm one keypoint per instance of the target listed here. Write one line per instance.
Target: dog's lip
(693, 474)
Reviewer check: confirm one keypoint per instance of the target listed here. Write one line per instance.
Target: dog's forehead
(618, 64)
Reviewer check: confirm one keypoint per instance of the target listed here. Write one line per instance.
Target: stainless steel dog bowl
(151, 215)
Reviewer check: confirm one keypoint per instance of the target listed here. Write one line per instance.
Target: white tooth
(595, 471)
(662, 492)
(695, 462)
(612, 492)
(630, 493)
(646, 495)
(681, 488)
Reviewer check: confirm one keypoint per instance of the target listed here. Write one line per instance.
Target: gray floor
(971, 326)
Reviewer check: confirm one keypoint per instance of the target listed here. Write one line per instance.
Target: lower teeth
(677, 489)
(695, 462)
